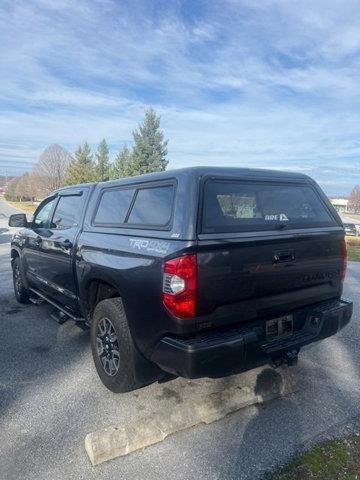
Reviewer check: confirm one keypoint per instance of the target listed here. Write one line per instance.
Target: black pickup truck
(193, 272)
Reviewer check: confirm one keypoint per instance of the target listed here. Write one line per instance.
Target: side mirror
(18, 220)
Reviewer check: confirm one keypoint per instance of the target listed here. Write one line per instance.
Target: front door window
(43, 215)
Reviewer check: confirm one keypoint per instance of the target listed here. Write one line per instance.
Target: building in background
(340, 204)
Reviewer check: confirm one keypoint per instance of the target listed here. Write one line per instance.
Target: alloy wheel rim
(107, 347)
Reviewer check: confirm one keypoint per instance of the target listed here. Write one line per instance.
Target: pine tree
(81, 169)
(121, 165)
(150, 148)
(102, 165)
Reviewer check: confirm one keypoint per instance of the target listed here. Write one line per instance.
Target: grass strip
(330, 460)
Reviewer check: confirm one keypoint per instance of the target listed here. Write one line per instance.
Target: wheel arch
(94, 290)
(16, 253)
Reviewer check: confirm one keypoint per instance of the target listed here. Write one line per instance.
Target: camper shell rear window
(240, 206)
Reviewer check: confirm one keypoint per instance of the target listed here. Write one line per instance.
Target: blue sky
(262, 83)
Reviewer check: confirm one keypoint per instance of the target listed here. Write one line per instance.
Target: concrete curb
(250, 388)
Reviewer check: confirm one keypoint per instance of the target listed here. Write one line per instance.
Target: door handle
(284, 256)
(67, 244)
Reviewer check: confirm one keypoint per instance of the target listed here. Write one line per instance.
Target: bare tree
(24, 189)
(11, 189)
(51, 168)
(354, 200)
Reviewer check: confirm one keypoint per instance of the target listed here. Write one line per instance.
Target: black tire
(110, 334)
(22, 294)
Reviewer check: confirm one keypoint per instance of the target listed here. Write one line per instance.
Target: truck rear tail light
(344, 261)
(180, 286)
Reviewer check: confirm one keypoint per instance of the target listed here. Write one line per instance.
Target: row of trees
(56, 167)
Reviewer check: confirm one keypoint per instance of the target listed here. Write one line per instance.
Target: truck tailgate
(269, 277)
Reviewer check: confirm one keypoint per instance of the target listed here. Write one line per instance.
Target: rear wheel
(113, 349)
(22, 294)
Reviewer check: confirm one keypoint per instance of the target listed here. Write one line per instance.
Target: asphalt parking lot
(50, 398)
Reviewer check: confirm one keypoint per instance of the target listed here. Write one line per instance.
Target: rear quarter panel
(134, 266)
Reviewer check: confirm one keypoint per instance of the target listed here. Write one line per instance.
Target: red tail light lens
(344, 261)
(180, 286)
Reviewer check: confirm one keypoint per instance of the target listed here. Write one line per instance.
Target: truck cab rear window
(114, 206)
(235, 207)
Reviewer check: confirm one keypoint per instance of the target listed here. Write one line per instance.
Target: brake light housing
(344, 261)
(180, 286)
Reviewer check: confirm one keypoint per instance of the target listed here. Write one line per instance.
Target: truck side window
(113, 206)
(152, 206)
(42, 218)
(67, 212)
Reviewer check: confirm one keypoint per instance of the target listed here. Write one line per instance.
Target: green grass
(331, 460)
(353, 254)
(353, 248)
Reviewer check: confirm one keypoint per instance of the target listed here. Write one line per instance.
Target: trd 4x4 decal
(157, 246)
